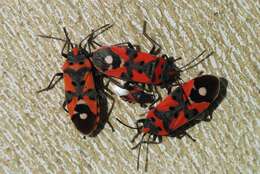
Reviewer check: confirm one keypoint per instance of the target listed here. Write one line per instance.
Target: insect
(127, 62)
(185, 104)
(134, 94)
(85, 95)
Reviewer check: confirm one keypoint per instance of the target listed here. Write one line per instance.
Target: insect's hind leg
(52, 82)
(184, 133)
(130, 45)
(153, 51)
(110, 110)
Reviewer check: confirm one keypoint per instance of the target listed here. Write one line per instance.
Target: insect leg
(64, 106)
(52, 82)
(153, 51)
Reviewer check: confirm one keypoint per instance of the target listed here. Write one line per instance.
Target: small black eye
(74, 83)
(71, 63)
(81, 63)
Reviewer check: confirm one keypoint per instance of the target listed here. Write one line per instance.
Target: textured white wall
(36, 135)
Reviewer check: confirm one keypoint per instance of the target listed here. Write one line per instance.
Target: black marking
(176, 114)
(171, 108)
(126, 64)
(74, 83)
(82, 83)
(190, 114)
(126, 76)
(132, 53)
(92, 94)
(211, 83)
(99, 61)
(87, 125)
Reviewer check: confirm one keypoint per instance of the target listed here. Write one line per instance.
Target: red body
(184, 104)
(135, 66)
(82, 90)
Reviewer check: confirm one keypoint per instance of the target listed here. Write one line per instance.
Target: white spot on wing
(109, 59)
(83, 116)
(202, 91)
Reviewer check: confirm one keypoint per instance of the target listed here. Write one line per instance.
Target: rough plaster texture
(37, 136)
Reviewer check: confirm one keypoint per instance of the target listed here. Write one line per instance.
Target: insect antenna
(139, 149)
(90, 38)
(126, 124)
(136, 135)
(50, 37)
(138, 157)
(187, 67)
(54, 38)
(68, 39)
(146, 158)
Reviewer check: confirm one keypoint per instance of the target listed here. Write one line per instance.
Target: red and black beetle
(85, 95)
(185, 104)
(127, 62)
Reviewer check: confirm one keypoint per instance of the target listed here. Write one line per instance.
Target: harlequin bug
(85, 98)
(126, 62)
(185, 104)
(133, 94)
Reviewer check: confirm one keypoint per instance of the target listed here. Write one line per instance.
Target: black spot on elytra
(87, 125)
(69, 101)
(176, 114)
(100, 55)
(211, 83)
(126, 76)
(92, 94)
(171, 108)
(189, 114)
(82, 83)
(74, 83)
(132, 53)
(173, 97)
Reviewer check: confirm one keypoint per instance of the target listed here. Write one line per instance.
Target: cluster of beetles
(93, 73)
